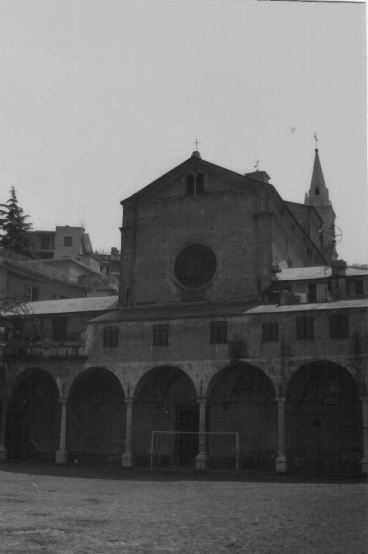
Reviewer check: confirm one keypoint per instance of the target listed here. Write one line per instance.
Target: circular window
(195, 266)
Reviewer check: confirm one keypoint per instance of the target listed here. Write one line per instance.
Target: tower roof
(318, 192)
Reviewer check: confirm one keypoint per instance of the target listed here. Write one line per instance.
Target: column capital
(281, 399)
(201, 399)
(63, 400)
(129, 399)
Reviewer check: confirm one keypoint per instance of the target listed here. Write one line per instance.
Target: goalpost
(222, 447)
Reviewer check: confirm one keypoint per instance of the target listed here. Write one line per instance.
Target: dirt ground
(86, 512)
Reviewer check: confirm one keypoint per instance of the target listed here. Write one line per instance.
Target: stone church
(238, 339)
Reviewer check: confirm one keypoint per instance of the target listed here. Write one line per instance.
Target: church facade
(238, 339)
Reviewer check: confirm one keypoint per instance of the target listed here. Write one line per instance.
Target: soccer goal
(180, 448)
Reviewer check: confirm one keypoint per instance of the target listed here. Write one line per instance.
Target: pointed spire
(318, 192)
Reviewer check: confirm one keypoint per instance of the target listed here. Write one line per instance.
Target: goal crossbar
(199, 434)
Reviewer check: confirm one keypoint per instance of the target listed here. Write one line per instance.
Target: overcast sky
(100, 97)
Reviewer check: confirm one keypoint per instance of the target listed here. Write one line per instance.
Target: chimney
(338, 268)
(260, 176)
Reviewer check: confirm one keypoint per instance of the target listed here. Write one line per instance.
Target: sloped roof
(58, 261)
(24, 269)
(339, 305)
(195, 161)
(69, 305)
(316, 272)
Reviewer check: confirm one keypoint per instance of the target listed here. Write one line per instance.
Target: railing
(23, 348)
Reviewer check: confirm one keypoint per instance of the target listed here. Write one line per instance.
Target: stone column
(3, 416)
(364, 401)
(127, 457)
(281, 456)
(201, 462)
(62, 453)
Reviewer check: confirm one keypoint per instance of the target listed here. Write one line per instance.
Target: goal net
(180, 448)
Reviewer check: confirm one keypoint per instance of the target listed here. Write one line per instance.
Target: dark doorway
(96, 418)
(164, 403)
(34, 418)
(242, 400)
(324, 430)
(186, 445)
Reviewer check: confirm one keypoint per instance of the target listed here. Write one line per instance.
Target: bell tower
(318, 197)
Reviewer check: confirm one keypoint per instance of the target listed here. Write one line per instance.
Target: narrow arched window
(316, 191)
(200, 183)
(190, 185)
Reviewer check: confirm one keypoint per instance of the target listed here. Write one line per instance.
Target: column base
(3, 453)
(61, 457)
(127, 460)
(281, 465)
(365, 465)
(201, 462)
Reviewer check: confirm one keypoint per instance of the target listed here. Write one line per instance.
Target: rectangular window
(312, 292)
(160, 335)
(271, 331)
(33, 294)
(60, 328)
(111, 336)
(359, 287)
(305, 327)
(339, 326)
(68, 241)
(218, 332)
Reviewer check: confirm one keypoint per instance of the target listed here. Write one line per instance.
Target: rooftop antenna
(256, 165)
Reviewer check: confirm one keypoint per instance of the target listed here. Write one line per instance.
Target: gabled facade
(236, 225)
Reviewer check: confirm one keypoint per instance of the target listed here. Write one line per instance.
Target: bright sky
(100, 97)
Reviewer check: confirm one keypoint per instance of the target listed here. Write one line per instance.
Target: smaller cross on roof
(316, 140)
(196, 142)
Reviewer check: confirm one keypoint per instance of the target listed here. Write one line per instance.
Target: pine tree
(13, 225)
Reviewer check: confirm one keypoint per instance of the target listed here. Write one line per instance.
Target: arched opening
(96, 417)
(242, 399)
(165, 400)
(33, 417)
(323, 424)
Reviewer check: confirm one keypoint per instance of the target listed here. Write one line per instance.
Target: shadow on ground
(115, 472)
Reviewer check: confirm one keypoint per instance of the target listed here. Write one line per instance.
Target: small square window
(111, 336)
(305, 327)
(68, 241)
(160, 335)
(271, 331)
(218, 332)
(339, 326)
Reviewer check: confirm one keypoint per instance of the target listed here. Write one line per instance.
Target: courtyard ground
(76, 510)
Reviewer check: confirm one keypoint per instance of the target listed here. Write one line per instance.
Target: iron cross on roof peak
(196, 142)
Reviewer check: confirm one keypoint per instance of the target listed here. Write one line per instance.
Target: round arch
(241, 398)
(96, 416)
(33, 416)
(323, 419)
(165, 400)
